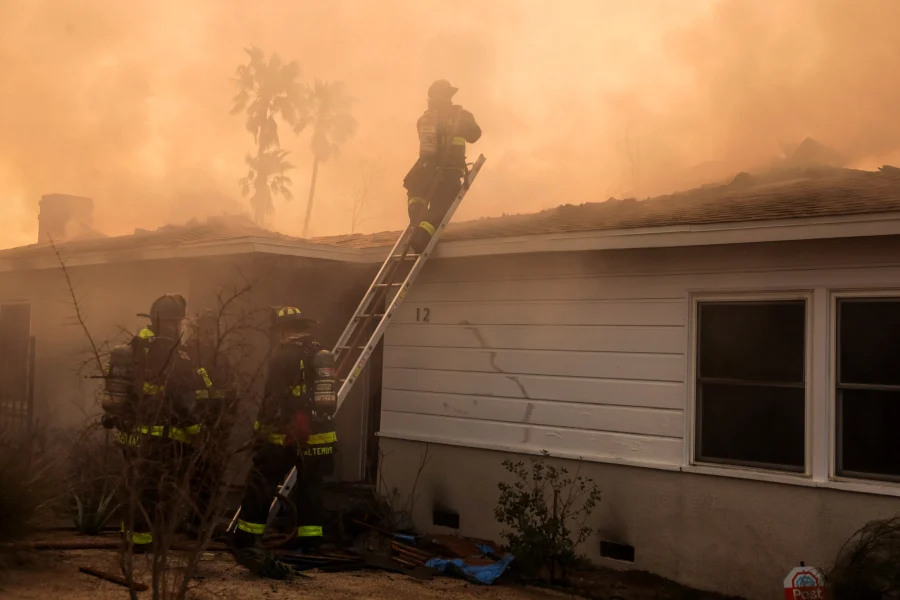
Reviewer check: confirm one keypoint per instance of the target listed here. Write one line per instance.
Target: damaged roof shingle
(786, 194)
(775, 195)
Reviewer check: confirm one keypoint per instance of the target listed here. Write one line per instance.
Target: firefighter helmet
(441, 90)
(168, 306)
(288, 315)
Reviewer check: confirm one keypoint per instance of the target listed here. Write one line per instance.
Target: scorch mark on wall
(492, 357)
(527, 419)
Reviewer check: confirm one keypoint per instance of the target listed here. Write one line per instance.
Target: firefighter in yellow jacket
(290, 433)
(437, 177)
(150, 386)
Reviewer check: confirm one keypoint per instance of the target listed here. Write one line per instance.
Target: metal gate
(16, 372)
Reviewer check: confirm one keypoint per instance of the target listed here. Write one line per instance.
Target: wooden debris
(140, 587)
(376, 561)
(56, 545)
(95, 545)
(407, 555)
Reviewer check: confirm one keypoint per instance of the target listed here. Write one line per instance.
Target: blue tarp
(484, 574)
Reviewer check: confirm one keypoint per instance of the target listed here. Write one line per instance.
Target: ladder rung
(388, 284)
(350, 347)
(369, 315)
(406, 256)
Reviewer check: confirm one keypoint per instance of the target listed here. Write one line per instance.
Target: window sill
(754, 474)
(879, 488)
(860, 487)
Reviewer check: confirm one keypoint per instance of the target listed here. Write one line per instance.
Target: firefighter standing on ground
(214, 407)
(291, 432)
(150, 385)
(437, 177)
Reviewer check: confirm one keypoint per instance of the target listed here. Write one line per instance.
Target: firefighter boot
(241, 539)
(420, 237)
(260, 561)
(304, 545)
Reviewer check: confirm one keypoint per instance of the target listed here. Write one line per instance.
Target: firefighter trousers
(271, 462)
(428, 199)
(154, 465)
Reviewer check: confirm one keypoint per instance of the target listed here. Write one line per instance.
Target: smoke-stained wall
(111, 295)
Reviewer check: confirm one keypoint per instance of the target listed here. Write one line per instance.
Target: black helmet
(168, 307)
(441, 90)
(289, 315)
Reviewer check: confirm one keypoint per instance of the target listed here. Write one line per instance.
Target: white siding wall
(584, 354)
(580, 366)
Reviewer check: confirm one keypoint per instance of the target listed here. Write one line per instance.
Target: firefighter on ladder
(437, 177)
(150, 385)
(291, 432)
(215, 405)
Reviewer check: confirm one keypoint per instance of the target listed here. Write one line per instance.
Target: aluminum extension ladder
(365, 314)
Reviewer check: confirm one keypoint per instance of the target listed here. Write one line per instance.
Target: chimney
(64, 217)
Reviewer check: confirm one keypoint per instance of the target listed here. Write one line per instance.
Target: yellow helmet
(289, 315)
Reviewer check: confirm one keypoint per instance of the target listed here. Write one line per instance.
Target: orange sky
(127, 102)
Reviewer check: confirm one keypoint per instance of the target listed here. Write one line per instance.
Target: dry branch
(78, 316)
(140, 587)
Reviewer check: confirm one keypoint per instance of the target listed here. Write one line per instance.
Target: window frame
(692, 414)
(864, 479)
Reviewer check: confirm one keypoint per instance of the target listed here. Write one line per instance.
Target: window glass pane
(752, 341)
(752, 424)
(869, 439)
(869, 347)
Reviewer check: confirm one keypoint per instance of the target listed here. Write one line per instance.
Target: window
(868, 388)
(751, 384)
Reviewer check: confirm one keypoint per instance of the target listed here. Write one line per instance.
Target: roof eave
(744, 232)
(245, 245)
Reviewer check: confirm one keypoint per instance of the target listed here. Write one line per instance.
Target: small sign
(804, 583)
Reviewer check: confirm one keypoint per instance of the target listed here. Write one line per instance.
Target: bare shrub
(94, 477)
(868, 565)
(394, 510)
(162, 465)
(27, 490)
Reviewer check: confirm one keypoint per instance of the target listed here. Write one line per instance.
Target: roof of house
(785, 194)
(780, 195)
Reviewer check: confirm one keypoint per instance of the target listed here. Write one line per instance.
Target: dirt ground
(56, 575)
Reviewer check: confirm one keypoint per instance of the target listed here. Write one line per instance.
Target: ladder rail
(370, 294)
(360, 321)
(357, 321)
(404, 288)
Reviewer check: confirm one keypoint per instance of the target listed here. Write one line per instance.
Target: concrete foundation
(734, 536)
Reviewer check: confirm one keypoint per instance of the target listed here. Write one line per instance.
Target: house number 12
(423, 315)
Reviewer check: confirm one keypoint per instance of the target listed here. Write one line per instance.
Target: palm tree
(266, 177)
(329, 114)
(268, 89)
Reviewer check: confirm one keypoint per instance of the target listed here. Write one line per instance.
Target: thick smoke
(128, 102)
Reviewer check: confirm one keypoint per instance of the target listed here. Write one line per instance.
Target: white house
(726, 362)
